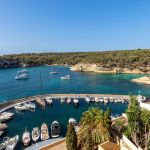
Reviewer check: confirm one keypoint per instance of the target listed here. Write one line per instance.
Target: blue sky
(73, 25)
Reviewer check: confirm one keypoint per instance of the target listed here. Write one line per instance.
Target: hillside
(129, 59)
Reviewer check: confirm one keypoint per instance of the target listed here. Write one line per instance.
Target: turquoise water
(80, 83)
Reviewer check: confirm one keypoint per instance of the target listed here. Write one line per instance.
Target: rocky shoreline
(100, 69)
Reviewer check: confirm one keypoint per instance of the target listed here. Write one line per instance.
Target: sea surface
(81, 83)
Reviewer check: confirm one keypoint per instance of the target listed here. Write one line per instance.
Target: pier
(11, 103)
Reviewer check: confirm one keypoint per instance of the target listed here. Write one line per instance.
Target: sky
(73, 25)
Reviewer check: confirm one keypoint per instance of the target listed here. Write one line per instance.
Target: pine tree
(88, 142)
(71, 138)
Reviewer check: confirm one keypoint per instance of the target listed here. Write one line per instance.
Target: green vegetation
(124, 59)
(138, 128)
(71, 138)
(94, 128)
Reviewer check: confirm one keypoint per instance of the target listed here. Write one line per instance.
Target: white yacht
(96, 99)
(5, 116)
(75, 101)
(62, 99)
(68, 100)
(35, 134)
(26, 138)
(68, 77)
(12, 143)
(22, 74)
(74, 123)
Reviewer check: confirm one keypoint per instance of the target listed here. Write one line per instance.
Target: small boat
(106, 100)
(53, 72)
(26, 138)
(116, 100)
(20, 107)
(96, 99)
(62, 99)
(75, 101)
(44, 132)
(74, 123)
(55, 129)
(68, 100)
(35, 134)
(49, 100)
(9, 114)
(3, 126)
(111, 99)
(87, 99)
(12, 143)
(30, 105)
(1, 133)
(68, 77)
(22, 74)
(40, 102)
(101, 99)
(4, 143)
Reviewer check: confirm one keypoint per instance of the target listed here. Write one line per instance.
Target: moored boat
(12, 143)
(49, 100)
(40, 102)
(101, 100)
(87, 99)
(62, 99)
(74, 123)
(68, 100)
(20, 107)
(30, 105)
(55, 129)
(35, 134)
(96, 99)
(9, 114)
(4, 143)
(111, 99)
(68, 77)
(22, 74)
(44, 132)
(75, 101)
(26, 138)
(3, 126)
(106, 100)
(53, 72)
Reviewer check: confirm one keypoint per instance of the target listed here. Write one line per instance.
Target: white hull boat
(76, 101)
(22, 75)
(53, 72)
(12, 143)
(68, 100)
(74, 123)
(30, 105)
(68, 77)
(26, 138)
(87, 99)
(62, 100)
(21, 107)
(49, 100)
(44, 132)
(3, 126)
(35, 134)
(55, 129)
(96, 99)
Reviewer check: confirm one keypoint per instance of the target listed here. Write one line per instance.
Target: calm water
(80, 83)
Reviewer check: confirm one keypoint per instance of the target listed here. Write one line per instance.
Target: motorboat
(74, 123)
(87, 99)
(111, 99)
(22, 74)
(3, 126)
(35, 134)
(115, 100)
(62, 99)
(106, 100)
(20, 107)
(96, 99)
(68, 100)
(75, 101)
(30, 105)
(55, 129)
(4, 143)
(101, 100)
(12, 143)
(40, 102)
(44, 132)
(53, 72)
(26, 138)
(49, 100)
(9, 114)
(68, 77)
(5, 116)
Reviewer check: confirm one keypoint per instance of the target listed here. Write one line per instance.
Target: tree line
(124, 59)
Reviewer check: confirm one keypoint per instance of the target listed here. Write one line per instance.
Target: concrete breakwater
(6, 105)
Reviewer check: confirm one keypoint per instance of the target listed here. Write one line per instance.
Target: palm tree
(96, 123)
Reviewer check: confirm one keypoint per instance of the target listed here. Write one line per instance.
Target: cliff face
(99, 69)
